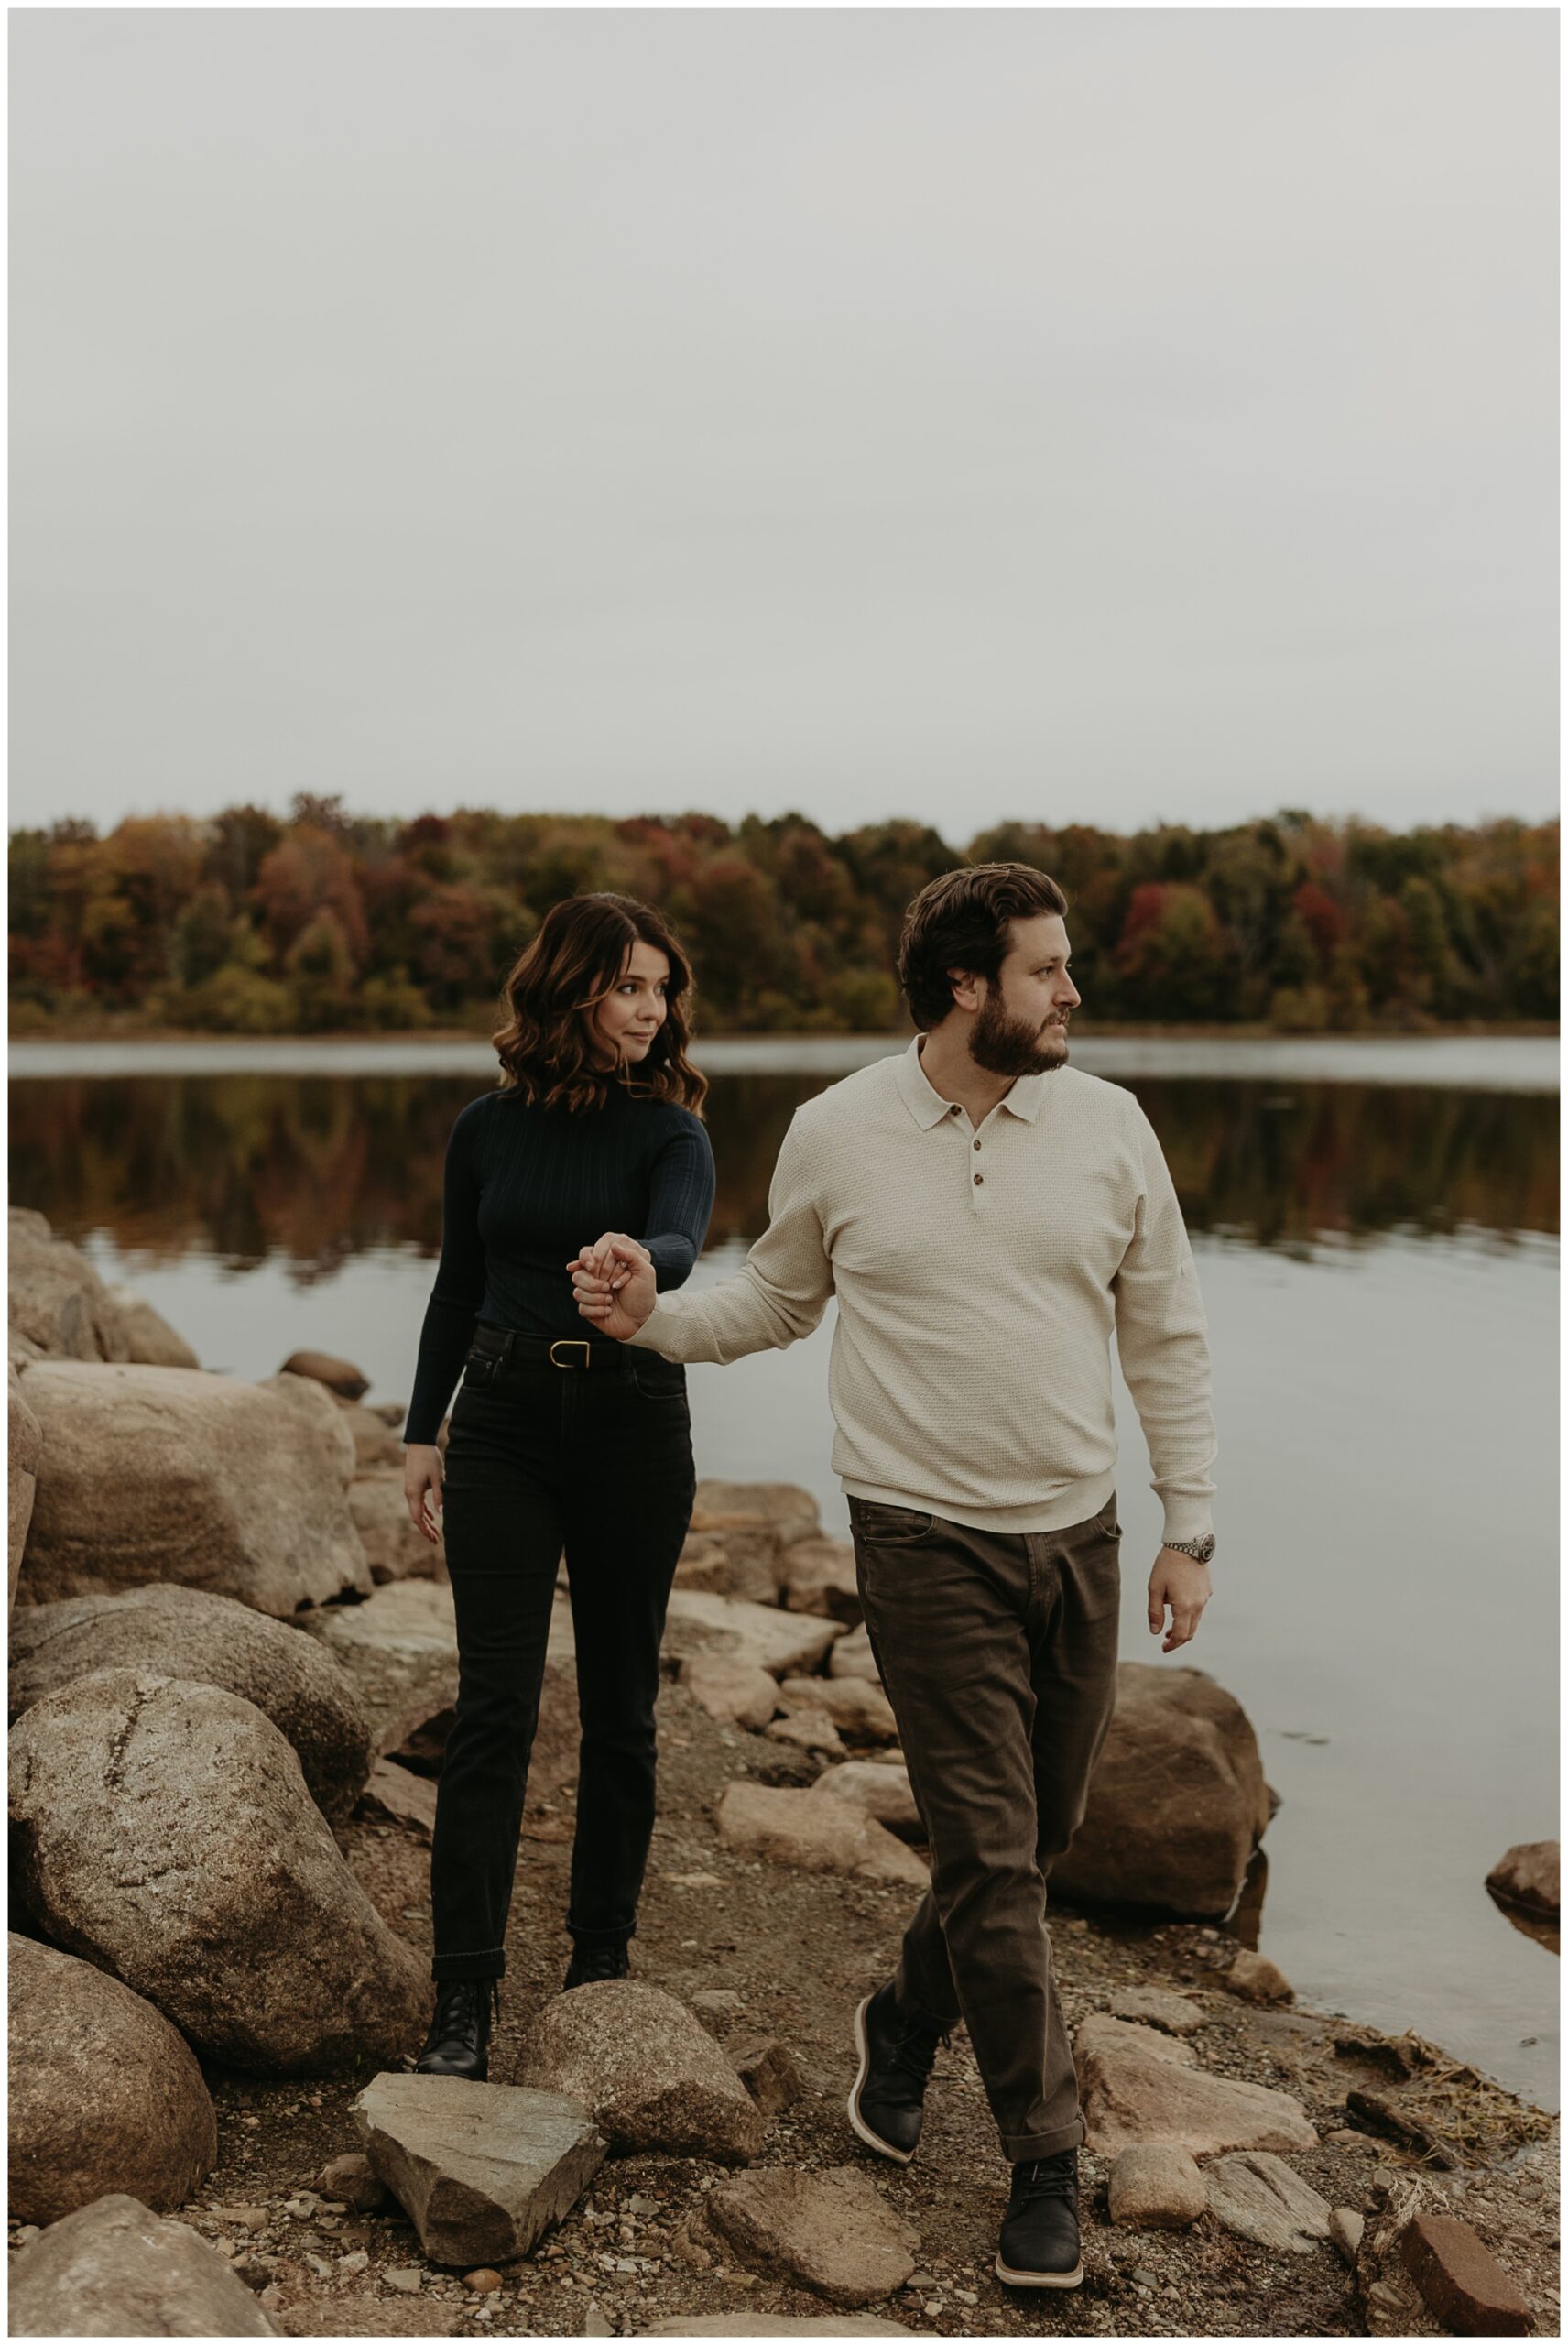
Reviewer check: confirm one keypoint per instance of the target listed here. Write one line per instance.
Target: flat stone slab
(1132, 2092)
(1155, 2007)
(1462, 2280)
(792, 1827)
(784, 1643)
(761, 2324)
(481, 2171)
(401, 1797)
(399, 1649)
(1261, 2198)
(834, 2232)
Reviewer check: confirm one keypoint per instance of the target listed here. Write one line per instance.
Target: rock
(401, 1653)
(1153, 2007)
(1461, 2282)
(338, 1376)
(1258, 1980)
(163, 1830)
(818, 1575)
(717, 2005)
(857, 1705)
(376, 1448)
(408, 2277)
(1145, 2092)
(105, 2095)
(877, 1790)
(736, 1692)
(753, 1523)
(831, 2233)
(1261, 2198)
(852, 1657)
(768, 2070)
(1156, 2187)
(115, 2269)
(650, 2073)
(393, 1548)
(1392, 2303)
(784, 1643)
(809, 1730)
(793, 1827)
(760, 2324)
(354, 2180)
(483, 2282)
(1346, 2226)
(703, 1565)
(152, 1341)
(1528, 1878)
(401, 1797)
(158, 1474)
(1099, 2035)
(26, 1439)
(482, 2171)
(1177, 1801)
(58, 1306)
(211, 1641)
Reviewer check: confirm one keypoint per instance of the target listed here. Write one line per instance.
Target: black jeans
(539, 1457)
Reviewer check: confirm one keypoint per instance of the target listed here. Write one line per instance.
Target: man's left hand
(1183, 1583)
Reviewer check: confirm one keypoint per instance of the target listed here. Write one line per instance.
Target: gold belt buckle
(572, 1343)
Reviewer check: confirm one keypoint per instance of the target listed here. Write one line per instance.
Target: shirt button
(979, 1180)
(977, 1144)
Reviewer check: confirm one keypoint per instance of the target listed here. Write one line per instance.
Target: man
(986, 1215)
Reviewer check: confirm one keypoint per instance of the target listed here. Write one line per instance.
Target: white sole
(1005, 2274)
(863, 2130)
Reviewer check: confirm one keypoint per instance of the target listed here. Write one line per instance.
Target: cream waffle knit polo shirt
(980, 1274)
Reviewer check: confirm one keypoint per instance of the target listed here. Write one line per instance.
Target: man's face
(1021, 1025)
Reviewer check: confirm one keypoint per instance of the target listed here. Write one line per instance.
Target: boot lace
(1054, 2177)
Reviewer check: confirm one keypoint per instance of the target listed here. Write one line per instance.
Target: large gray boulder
(164, 1830)
(169, 1474)
(151, 1338)
(481, 2171)
(1177, 1801)
(115, 2269)
(212, 1640)
(25, 1442)
(58, 1306)
(105, 2095)
(647, 2071)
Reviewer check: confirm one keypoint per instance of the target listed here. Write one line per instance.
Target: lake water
(1376, 1227)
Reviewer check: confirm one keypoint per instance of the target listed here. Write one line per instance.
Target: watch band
(1201, 1550)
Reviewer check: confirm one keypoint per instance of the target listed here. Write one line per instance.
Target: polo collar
(928, 1106)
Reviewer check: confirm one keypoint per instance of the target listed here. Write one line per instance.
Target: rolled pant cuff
(1018, 2147)
(448, 1967)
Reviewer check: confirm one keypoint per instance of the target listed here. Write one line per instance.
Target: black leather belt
(549, 1351)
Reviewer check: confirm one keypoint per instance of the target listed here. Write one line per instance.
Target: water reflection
(317, 1169)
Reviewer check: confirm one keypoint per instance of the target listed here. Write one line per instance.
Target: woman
(557, 1441)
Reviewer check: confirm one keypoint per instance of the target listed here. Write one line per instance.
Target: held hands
(615, 1284)
(1183, 1583)
(423, 1489)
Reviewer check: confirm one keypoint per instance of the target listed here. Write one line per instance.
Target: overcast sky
(1066, 415)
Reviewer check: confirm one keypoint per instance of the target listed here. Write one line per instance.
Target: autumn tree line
(323, 921)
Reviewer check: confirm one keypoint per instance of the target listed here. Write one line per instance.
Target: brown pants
(998, 1653)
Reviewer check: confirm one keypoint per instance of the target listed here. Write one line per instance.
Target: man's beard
(1005, 1045)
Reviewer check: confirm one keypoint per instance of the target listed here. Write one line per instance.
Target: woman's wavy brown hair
(546, 1043)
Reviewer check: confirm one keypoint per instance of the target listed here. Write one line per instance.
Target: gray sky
(1069, 415)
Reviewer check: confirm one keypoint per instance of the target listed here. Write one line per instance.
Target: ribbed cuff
(1187, 1519)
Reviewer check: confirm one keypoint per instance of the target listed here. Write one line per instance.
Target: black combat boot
(1039, 2247)
(887, 2100)
(589, 1963)
(459, 2042)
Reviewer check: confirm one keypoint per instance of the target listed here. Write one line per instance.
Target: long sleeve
(778, 1297)
(458, 1292)
(1162, 1342)
(680, 1203)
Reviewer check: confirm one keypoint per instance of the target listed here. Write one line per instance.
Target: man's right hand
(615, 1284)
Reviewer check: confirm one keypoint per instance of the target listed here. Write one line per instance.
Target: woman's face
(634, 1010)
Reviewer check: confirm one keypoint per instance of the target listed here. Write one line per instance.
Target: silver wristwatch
(1201, 1550)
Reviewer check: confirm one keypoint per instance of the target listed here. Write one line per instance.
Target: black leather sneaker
(887, 2102)
(1039, 2247)
(459, 2042)
(589, 1963)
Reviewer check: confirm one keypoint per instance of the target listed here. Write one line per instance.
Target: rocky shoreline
(226, 1721)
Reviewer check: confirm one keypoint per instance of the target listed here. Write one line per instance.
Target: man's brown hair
(962, 922)
(548, 1043)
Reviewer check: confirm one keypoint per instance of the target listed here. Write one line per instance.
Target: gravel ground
(801, 1949)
